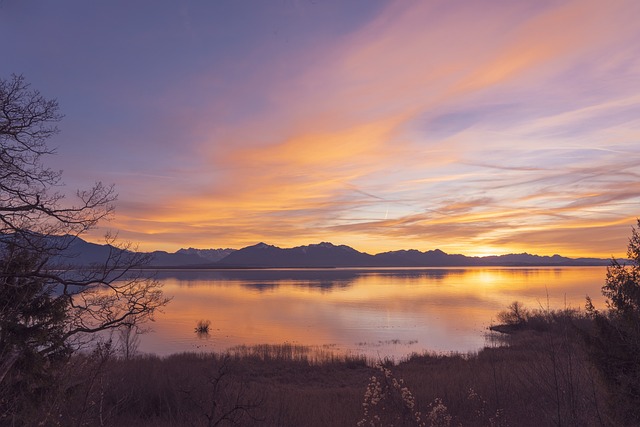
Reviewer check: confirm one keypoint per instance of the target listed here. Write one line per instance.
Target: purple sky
(474, 127)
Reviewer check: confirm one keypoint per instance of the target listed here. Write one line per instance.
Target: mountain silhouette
(207, 255)
(320, 255)
(326, 254)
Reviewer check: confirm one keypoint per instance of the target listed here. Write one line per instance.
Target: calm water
(381, 312)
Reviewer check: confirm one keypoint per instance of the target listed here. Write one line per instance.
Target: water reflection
(380, 312)
(321, 278)
(260, 287)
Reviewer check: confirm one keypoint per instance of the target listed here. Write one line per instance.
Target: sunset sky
(476, 127)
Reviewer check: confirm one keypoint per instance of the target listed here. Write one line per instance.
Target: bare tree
(46, 302)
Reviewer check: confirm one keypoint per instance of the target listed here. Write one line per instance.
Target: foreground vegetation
(543, 377)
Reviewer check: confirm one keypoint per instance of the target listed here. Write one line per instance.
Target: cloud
(454, 124)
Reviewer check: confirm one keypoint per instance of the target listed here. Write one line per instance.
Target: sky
(476, 127)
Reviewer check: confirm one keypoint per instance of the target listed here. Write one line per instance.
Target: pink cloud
(346, 137)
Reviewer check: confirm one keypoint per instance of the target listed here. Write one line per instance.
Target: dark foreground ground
(541, 378)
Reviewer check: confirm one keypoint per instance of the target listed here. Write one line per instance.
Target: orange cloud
(348, 150)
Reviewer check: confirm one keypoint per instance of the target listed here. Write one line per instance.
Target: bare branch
(46, 300)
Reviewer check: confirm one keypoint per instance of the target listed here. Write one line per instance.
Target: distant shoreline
(223, 267)
(316, 256)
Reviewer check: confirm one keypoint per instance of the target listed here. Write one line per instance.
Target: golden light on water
(388, 311)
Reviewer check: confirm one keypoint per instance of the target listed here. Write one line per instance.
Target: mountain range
(321, 255)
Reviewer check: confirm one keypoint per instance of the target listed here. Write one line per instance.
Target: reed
(541, 377)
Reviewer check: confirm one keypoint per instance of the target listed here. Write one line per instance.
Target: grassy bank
(541, 378)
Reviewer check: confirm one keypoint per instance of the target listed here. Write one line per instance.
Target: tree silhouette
(615, 345)
(47, 305)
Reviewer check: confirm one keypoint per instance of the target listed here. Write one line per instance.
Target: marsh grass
(312, 355)
(541, 378)
(202, 327)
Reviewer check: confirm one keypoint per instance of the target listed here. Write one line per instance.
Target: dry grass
(542, 378)
(262, 385)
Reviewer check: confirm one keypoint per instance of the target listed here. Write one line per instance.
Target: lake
(376, 312)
